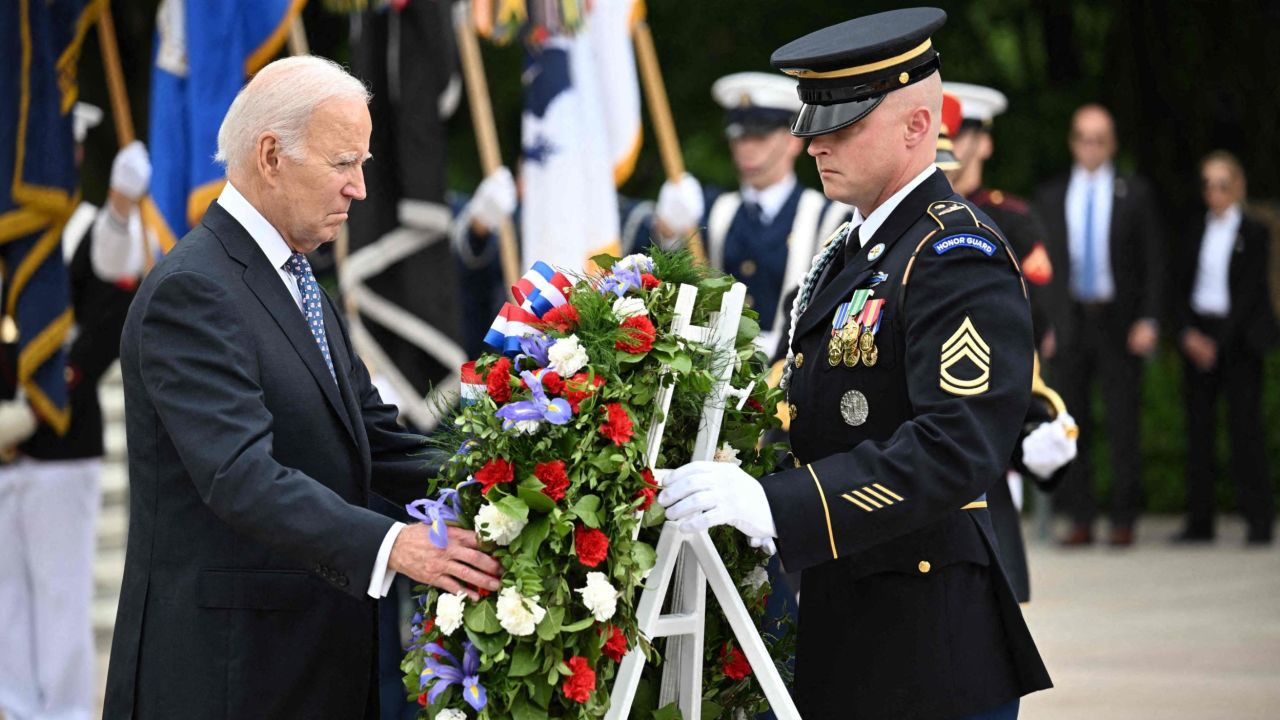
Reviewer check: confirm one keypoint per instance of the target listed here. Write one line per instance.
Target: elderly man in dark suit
(1225, 327)
(256, 438)
(1105, 245)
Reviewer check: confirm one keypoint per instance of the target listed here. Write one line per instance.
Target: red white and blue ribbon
(540, 290)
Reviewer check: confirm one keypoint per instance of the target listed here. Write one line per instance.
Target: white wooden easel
(691, 559)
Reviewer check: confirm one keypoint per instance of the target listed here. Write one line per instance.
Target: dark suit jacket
(1137, 251)
(250, 542)
(1249, 324)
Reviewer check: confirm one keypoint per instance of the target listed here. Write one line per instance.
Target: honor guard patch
(951, 242)
(965, 344)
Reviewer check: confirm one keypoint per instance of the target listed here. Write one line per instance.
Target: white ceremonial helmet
(978, 104)
(756, 102)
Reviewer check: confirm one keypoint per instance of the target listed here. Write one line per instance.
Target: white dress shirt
(1101, 183)
(1212, 293)
(278, 252)
(770, 199)
(882, 213)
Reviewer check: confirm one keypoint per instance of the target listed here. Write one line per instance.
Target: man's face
(763, 159)
(856, 163)
(1220, 186)
(318, 190)
(1093, 138)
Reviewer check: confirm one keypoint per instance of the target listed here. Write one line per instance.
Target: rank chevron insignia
(964, 343)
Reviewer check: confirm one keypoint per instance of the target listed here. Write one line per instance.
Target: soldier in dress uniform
(766, 232)
(909, 374)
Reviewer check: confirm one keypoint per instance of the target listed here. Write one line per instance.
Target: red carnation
(579, 686)
(754, 404)
(499, 380)
(422, 699)
(650, 281)
(562, 319)
(649, 492)
(616, 646)
(577, 389)
(552, 382)
(591, 544)
(428, 626)
(638, 335)
(553, 477)
(618, 425)
(494, 472)
(733, 663)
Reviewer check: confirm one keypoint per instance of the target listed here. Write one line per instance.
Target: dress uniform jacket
(905, 612)
(1024, 230)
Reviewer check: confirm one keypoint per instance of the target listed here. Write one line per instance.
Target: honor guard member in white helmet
(908, 378)
(765, 233)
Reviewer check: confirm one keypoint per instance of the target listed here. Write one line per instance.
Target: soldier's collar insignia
(965, 343)
(876, 251)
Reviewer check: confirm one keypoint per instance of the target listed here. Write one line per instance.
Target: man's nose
(817, 147)
(355, 189)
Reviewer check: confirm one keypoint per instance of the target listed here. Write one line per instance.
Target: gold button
(903, 78)
(924, 566)
(799, 360)
(792, 410)
(747, 268)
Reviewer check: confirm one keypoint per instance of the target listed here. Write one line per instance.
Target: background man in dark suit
(1225, 328)
(1105, 245)
(256, 437)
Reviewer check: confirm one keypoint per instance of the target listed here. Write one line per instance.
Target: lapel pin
(876, 252)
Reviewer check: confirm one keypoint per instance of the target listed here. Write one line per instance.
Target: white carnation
(728, 454)
(629, 307)
(451, 714)
(639, 262)
(449, 608)
(567, 356)
(495, 525)
(756, 578)
(599, 596)
(526, 427)
(518, 615)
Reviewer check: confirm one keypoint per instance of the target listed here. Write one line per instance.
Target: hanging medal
(870, 322)
(835, 350)
(849, 332)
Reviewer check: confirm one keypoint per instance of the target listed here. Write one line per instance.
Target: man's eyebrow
(353, 156)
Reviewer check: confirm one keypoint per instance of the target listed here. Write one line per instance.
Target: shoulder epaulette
(950, 214)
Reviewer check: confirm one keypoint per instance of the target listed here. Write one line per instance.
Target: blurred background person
(1104, 237)
(1224, 329)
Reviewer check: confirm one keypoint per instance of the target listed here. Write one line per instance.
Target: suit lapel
(341, 355)
(265, 283)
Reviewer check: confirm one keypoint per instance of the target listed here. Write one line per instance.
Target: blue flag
(39, 188)
(204, 53)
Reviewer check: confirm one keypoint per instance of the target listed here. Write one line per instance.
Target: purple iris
(556, 412)
(621, 281)
(536, 347)
(436, 514)
(442, 672)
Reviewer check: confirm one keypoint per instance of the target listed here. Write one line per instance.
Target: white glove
(1050, 446)
(131, 171)
(17, 422)
(764, 543)
(680, 204)
(704, 494)
(495, 199)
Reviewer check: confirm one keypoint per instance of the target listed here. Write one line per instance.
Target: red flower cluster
(617, 425)
(733, 663)
(647, 493)
(579, 686)
(616, 646)
(552, 382)
(577, 389)
(498, 380)
(554, 479)
(591, 544)
(562, 319)
(650, 281)
(494, 472)
(638, 335)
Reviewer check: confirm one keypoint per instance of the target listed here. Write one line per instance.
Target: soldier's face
(319, 188)
(763, 159)
(857, 163)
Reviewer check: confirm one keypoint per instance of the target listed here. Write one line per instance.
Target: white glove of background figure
(680, 205)
(704, 494)
(131, 171)
(1050, 446)
(495, 199)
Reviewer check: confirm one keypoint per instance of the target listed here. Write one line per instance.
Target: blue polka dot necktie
(310, 291)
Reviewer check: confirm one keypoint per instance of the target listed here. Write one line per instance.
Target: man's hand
(456, 568)
(1050, 446)
(1200, 349)
(494, 201)
(704, 494)
(17, 422)
(1142, 337)
(680, 206)
(131, 171)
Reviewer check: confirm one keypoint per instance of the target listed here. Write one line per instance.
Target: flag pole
(120, 112)
(485, 128)
(664, 126)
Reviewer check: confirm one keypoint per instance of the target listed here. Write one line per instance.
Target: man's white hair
(280, 100)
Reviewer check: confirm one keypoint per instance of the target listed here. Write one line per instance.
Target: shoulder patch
(952, 214)
(965, 240)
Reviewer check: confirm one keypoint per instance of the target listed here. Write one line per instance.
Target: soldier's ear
(918, 127)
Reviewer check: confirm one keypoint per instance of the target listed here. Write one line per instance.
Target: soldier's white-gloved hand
(704, 494)
(680, 204)
(131, 171)
(17, 422)
(495, 199)
(1050, 446)
(764, 543)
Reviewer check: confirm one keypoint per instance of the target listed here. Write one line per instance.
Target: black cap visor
(822, 119)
